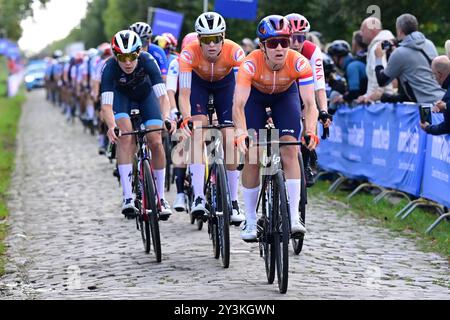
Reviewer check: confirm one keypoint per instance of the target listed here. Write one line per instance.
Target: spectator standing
(410, 62)
(359, 48)
(372, 34)
(441, 71)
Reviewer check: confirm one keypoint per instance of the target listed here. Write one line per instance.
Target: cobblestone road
(68, 239)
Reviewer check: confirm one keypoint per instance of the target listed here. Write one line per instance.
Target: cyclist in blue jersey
(132, 80)
(145, 33)
(354, 70)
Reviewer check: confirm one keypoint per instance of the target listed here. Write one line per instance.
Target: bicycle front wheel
(266, 240)
(141, 218)
(223, 219)
(280, 218)
(152, 210)
(297, 244)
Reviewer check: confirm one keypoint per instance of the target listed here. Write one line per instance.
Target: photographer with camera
(441, 71)
(410, 62)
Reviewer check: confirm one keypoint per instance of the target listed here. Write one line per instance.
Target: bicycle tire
(168, 151)
(282, 231)
(266, 238)
(214, 230)
(223, 221)
(150, 204)
(199, 224)
(297, 244)
(210, 192)
(141, 218)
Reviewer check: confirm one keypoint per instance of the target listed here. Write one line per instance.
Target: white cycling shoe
(180, 203)
(249, 231)
(236, 216)
(297, 226)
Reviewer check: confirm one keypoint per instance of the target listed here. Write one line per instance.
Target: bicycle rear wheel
(150, 205)
(223, 219)
(297, 244)
(282, 231)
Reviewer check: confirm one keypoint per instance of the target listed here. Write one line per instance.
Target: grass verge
(10, 110)
(413, 226)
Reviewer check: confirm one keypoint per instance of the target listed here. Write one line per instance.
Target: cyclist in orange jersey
(272, 77)
(206, 67)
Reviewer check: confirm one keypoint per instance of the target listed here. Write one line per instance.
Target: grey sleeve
(394, 66)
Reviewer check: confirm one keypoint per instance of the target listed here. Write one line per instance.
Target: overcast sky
(52, 23)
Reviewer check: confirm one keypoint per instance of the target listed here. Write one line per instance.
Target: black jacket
(443, 127)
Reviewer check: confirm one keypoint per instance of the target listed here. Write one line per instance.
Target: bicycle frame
(142, 152)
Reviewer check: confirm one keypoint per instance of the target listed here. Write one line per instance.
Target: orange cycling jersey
(191, 59)
(255, 72)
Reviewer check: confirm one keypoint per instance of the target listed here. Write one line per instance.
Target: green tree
(92, 26)
(12, 12)
(335, 19)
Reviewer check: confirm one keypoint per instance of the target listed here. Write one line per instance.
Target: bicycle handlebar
(216, 126)
(141, 132)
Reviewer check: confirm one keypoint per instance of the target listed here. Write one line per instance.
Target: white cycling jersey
(314, 55)
(172, 75)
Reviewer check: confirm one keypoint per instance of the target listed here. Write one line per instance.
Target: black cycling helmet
(339, 48)
(328, 65)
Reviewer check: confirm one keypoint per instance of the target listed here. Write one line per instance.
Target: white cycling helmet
(210, 23)
(142, 29)
(92, 53)
(126, 41)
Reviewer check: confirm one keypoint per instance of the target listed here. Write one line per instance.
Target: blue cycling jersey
(355, 72)
(136, 85)
(160, 56)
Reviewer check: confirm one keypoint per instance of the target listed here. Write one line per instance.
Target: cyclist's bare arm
(161, 93)
(321, 96)
(241, 95)
(172, 100)
(184, 102)
(311, 112)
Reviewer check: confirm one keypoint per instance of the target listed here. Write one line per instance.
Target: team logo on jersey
(239, 55)
(186, 56)
(173, 70)
(299, 65)
(250, 67)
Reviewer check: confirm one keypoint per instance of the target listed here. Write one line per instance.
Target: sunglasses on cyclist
(123, 57)
(300, 38)
(206, 40)
(273, 43)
